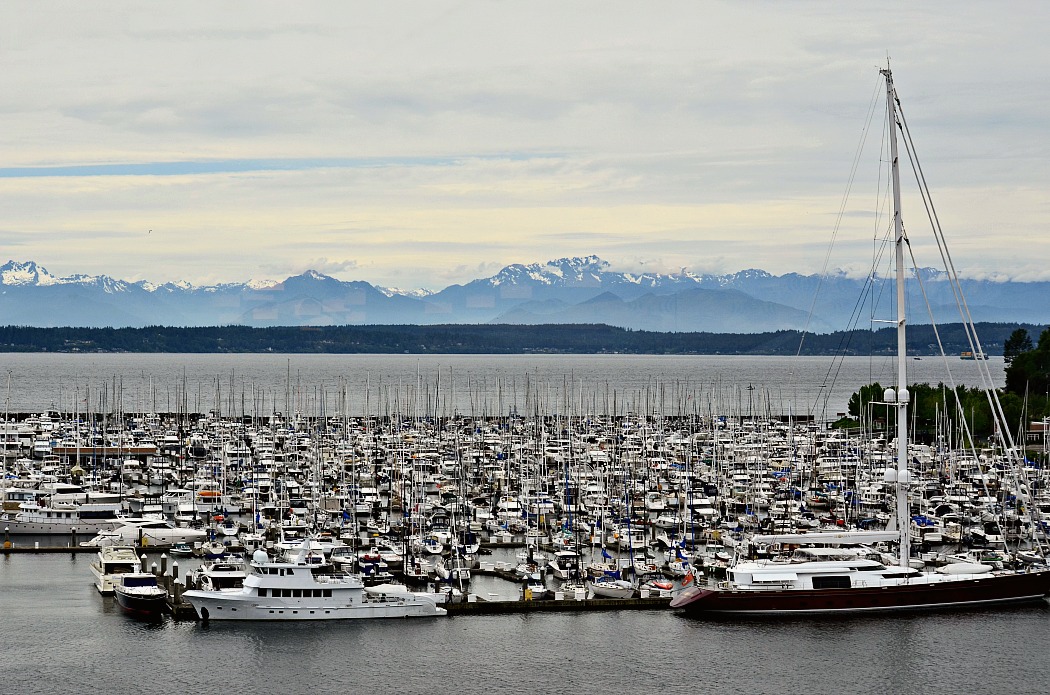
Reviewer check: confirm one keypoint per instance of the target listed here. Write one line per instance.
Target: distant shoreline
(495, 339)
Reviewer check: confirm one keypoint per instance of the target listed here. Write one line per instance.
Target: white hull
(57, 528)
(614, 589)
(146, 532)
(110, 563)
(291, 590)
(227, 606)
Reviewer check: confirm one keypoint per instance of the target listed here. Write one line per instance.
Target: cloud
(438, 141)
(328, 267)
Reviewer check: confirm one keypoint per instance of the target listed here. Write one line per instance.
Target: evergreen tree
(1018, 342)
(1028, 376)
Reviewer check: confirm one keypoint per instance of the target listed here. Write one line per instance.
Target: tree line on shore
(936, 411)
(493, 339)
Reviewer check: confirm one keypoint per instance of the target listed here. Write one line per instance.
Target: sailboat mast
(901, 396)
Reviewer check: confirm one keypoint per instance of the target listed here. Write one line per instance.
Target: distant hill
(490, 339)
(568, 290)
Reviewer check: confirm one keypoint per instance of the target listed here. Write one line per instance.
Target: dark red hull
(989, 589)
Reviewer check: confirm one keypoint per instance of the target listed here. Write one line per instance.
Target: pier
(567, 605)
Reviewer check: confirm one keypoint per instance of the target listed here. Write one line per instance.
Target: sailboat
(834, 576)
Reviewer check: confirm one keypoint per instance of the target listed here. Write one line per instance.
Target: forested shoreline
(495, 339)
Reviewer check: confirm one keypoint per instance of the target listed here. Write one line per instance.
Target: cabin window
(831, 582)
(297, 593)
(262, 593)
(326, 593)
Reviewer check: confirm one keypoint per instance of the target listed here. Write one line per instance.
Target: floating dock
(14, 548)
(568, 605)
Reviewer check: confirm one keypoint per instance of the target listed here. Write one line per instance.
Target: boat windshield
(140, 581)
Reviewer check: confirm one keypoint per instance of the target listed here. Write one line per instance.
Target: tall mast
(901, 396)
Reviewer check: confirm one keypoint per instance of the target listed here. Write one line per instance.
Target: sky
(422, 144)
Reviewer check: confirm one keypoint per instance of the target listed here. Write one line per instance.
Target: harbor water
(247, 384)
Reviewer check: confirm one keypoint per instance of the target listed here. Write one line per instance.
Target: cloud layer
(410, 143)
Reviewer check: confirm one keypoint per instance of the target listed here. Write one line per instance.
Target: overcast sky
(419, 144)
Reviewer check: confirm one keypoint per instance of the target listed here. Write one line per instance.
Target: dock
(14, 548)
(568, 605)
(180, 609)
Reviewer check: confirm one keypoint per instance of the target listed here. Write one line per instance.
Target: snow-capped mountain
(565, 290)
(29, 273)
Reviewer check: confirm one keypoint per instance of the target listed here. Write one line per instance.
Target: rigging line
(1002, 430)
(835, 368)
(855, 164)
(937, 335)
(868, 290)
(967, 320)
(927, 201)
(941, 242)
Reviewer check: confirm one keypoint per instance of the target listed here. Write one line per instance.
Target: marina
(513, 477)
(579, 508)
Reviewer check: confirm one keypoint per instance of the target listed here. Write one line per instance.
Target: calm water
(441, 384)
(60, 636)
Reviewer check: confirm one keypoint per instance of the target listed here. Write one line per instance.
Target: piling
(179, 609)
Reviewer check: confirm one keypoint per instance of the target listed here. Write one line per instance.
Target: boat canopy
(826, 538)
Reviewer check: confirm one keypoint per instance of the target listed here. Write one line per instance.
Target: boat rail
(332, 578)
(385, 598)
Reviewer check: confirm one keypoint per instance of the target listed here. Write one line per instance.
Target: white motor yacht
(139, 531)
(294, 591)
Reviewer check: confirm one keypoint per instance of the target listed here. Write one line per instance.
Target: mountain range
(563, 291)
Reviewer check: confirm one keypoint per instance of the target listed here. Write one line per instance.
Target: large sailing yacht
(836, 576)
